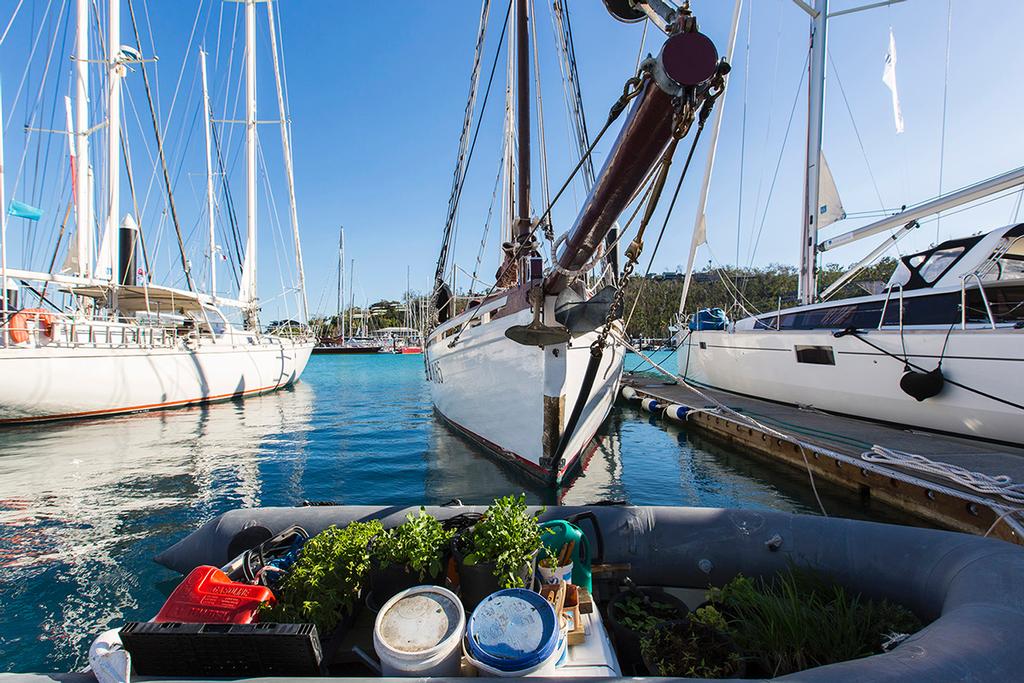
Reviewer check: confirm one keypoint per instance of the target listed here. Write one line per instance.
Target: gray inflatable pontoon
(970, 587)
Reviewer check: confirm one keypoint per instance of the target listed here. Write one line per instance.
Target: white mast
(114, 71)
(807, 285)
(699, 226)
(248, 286)
(341, 282)
(289, 171)
(83, 213)
(209, 177)
(3, 227)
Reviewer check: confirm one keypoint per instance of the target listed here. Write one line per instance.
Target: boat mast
(209, 177)
(352, 297)
(3, 229)
(83, 206)
(808, 283)
(249, 271)
(341, 283)
(289, 171)
(114, 74)
(523, 125)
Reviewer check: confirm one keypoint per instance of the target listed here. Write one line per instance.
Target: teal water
(85, 506)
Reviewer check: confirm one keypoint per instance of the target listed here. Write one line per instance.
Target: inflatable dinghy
(967, 589)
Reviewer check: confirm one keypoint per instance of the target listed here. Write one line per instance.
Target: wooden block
(585, 601)
(572, 596)
(577, 632)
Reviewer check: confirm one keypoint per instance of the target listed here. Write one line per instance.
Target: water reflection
(85, 506)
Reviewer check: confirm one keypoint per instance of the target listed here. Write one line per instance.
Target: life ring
(18, 326)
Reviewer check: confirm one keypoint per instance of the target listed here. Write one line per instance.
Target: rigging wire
(775, 176)
(14, 15)
(464, 157)
(163, 159)
(743, 136)
(945, 104)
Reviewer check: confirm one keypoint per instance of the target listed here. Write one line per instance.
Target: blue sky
(376, 99)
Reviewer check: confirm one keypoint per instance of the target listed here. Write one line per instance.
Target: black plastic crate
(175, 649)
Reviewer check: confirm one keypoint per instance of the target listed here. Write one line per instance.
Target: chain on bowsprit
(696, 107)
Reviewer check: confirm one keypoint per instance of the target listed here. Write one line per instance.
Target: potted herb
(325, 583)
(633, 613)
(499, 551)
(411, 554)
(698, 647)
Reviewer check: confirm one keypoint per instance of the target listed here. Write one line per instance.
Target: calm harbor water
(85, 506)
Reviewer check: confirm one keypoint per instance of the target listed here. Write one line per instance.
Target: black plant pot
(386, 582)
(477, 581)
(713, 646)
(627, 641)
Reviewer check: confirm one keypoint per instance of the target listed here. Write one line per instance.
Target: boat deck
(834, 446)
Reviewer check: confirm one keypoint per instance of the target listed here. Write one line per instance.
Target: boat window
(815, 355)
(938, 263)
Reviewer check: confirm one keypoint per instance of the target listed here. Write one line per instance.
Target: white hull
(61, 382)
(865, 382)
(498, 392)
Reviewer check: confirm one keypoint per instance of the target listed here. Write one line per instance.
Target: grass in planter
(419, 545)
(800, 620)
(506, 535)
(327, 578)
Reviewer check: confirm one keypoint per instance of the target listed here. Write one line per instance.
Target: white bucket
(418, 633)
(546, 668)
(553, 575)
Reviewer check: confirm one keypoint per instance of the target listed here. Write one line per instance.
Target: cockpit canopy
(995, 256)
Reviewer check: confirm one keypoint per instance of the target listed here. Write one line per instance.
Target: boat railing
(72, 333)
(885, 306)
(984, 298)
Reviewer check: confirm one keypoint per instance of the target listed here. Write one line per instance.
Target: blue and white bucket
(514, 632)
(552, 575)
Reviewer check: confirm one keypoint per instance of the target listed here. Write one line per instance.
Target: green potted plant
(411, 554)
(633, 613)
(499, 551)
(696, 647)
(326, 582)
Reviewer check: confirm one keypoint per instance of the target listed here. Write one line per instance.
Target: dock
(838, 449)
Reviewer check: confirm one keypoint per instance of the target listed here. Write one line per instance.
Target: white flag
(889, 78)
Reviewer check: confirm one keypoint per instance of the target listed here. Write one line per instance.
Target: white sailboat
(530, 369)
(938, 349)
(121, 345)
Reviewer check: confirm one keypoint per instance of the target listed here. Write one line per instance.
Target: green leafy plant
(418, 545)
(641, 614)
(690, 649)
(326, 580)
(800, 620)
(506, 535)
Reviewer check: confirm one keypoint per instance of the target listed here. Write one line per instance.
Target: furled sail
(830, 206)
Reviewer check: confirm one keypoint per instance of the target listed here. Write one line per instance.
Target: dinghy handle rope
(1004, 512)
(854, 332)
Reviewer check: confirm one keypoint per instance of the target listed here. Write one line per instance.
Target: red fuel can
(208, 596)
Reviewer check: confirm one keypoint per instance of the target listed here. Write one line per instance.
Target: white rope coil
(1001, 485)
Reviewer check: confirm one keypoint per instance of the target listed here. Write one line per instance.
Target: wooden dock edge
(939, 504)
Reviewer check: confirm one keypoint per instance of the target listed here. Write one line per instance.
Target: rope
(1000, 485)
(616, 110)
(945, 106)
(464, 157)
